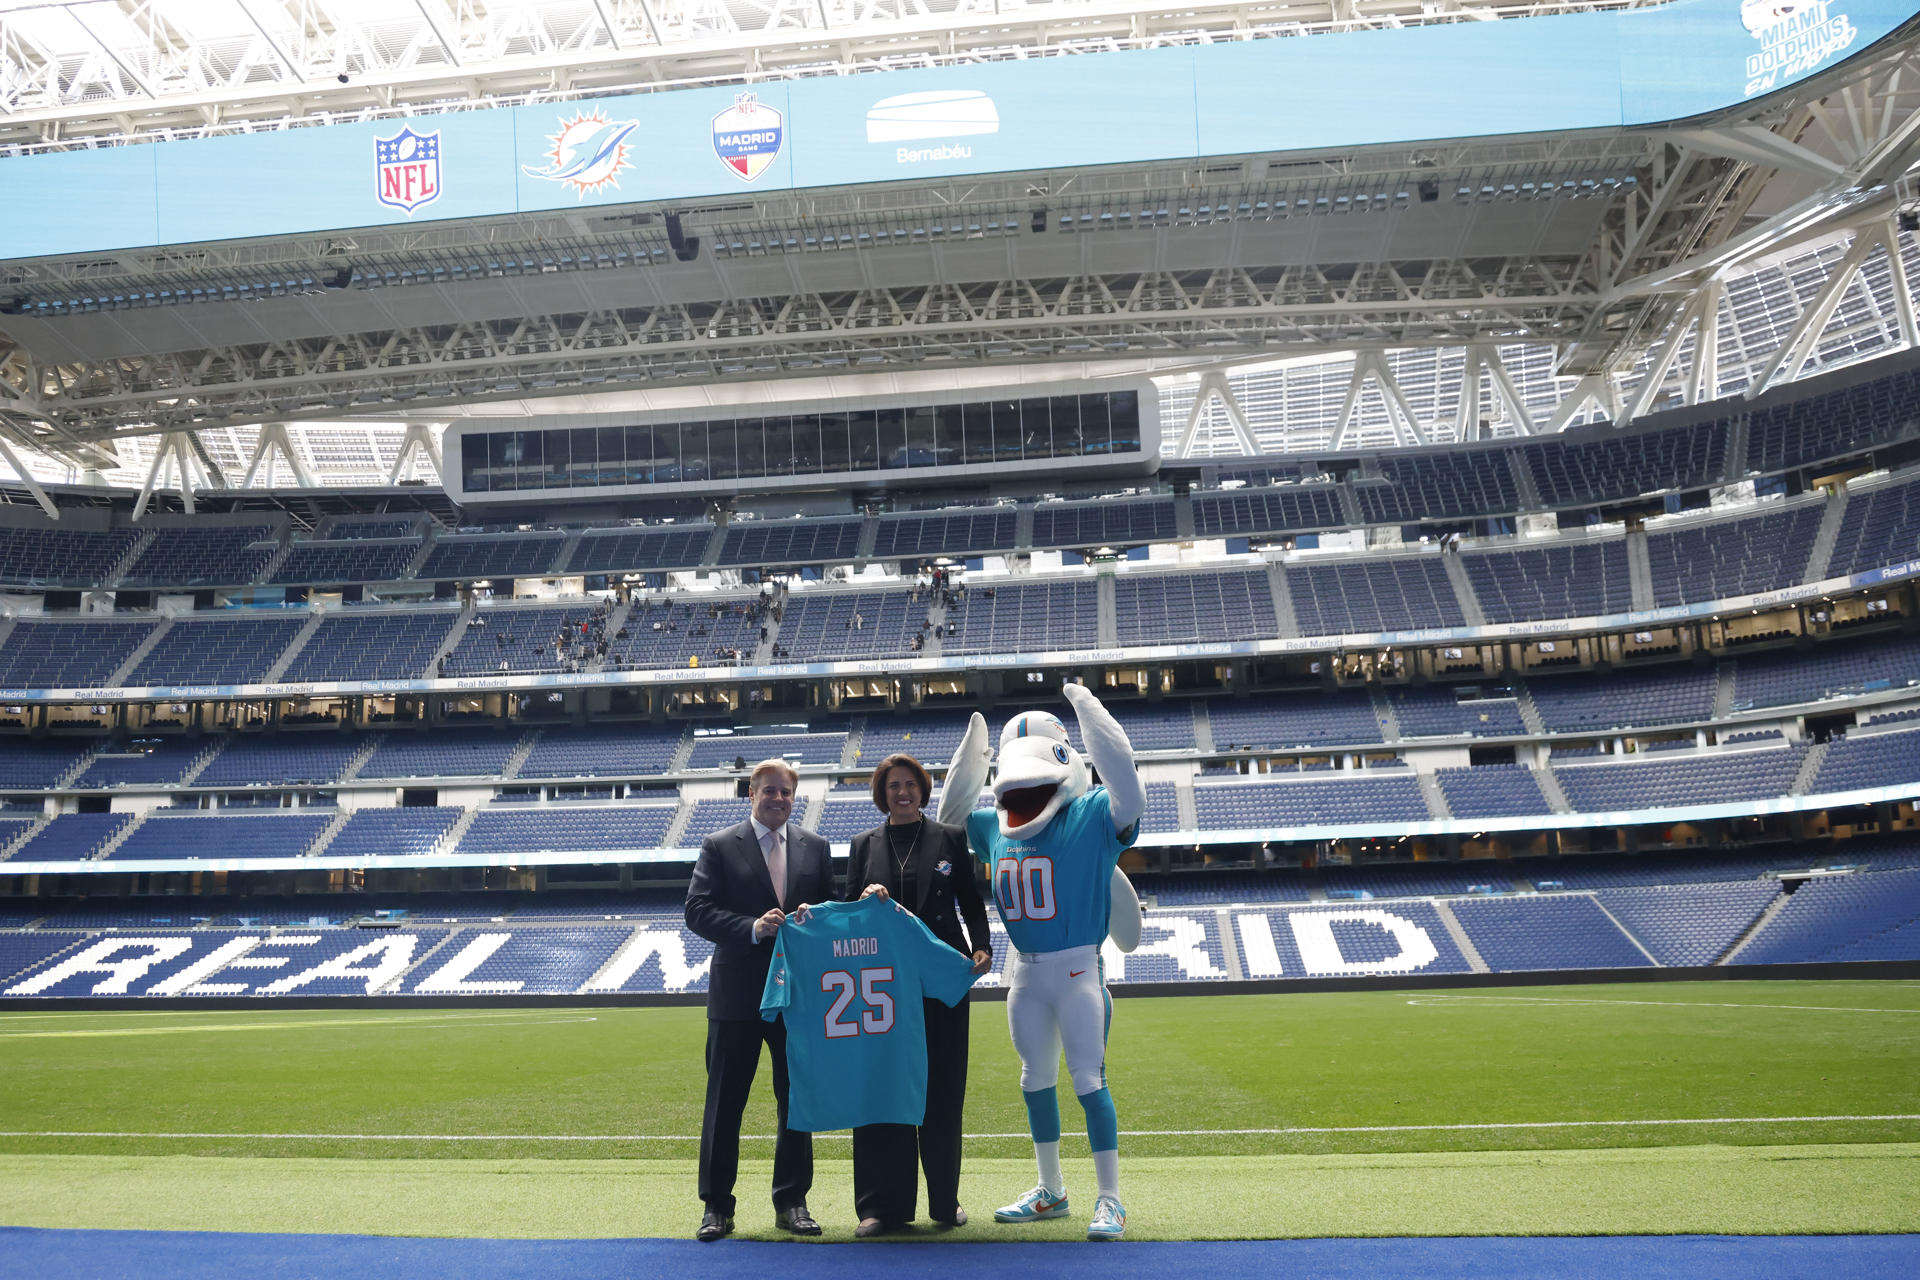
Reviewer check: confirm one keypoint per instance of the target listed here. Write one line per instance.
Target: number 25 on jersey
(876, 1019)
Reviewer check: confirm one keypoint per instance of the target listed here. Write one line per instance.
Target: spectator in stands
(745, 878)
(925, 867)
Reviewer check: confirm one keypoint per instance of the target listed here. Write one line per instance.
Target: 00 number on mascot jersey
(1024, 888)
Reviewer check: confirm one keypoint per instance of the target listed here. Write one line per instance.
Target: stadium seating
(1872, 916)
(1024, 618)
(30, 764)
(469, 754)
(550, 961)
(202, 835)
(944, 533)
(31, 557)
(719, 751)
(1492, 791)
(1127, 522)
(1689, 926)
(1270, 510)
(152, 762)
(355, 560)
(1715, 778)
(68, 655)
(1426, 711)
(851, 624)
(638, 550)
(522, 555)
(1294, 720)
(617, 751)
(286, 759)
(791, 542)
(1554, 931)
(1260, 805)
(1829, 670)
(1733, 557)
(1568, 580)
(1371, 596)
(515, 639)
(1804, 428)
(1628, 699)
(389, 645)
(383, 833)
(1602, 465)
(1437, 486)
(216, 650)
(551, 828)
(1870, 760)
(677, 633)
(212, 556)
(1174, 608)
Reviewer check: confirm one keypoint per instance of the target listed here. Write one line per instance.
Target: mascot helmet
(1039, 774)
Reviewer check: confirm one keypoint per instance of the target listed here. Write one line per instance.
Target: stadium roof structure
(1534, 279)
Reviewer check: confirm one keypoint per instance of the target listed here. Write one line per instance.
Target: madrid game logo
(406, 170)
(1795, 37)
(587, 154)
(747, 136)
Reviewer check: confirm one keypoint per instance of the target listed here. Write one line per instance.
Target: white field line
(1446, 999)
(1131, 1133)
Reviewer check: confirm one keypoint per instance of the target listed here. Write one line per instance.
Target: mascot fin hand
(1123, 913)
(1111, 754)
(966, 775)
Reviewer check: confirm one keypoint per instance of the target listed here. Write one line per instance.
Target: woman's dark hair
(900, 760)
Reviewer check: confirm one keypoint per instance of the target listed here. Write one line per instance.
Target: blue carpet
(196, 1255)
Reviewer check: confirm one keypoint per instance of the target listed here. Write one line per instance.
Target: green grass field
(1779, 1106)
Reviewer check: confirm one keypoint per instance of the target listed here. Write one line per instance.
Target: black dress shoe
(796, 1220)
(713, 1226)
(869, 1228)
(959, 1218)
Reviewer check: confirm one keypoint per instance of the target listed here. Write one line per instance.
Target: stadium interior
(1515, 535)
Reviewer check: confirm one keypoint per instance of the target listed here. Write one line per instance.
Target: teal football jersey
(849, 980)
(1053, 889)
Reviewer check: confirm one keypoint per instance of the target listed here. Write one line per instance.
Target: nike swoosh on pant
(1074, 973)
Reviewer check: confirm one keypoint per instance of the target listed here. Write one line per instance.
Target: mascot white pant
(1052, 845)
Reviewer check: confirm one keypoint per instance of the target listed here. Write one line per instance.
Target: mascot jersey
(1052, 887)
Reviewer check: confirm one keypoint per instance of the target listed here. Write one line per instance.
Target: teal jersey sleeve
(778, 993)
(982, 826)
(945, 974)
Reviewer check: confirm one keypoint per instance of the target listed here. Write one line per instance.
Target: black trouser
(884, 1183)
(733, 1055)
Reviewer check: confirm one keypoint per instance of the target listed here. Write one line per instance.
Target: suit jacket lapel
(922, 866)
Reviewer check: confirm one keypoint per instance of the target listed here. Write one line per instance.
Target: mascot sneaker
(1109, 1219)
(1037, 1204)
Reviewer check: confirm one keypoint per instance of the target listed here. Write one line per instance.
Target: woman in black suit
(926, 868)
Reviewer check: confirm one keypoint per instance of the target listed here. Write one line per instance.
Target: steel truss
(101, 72)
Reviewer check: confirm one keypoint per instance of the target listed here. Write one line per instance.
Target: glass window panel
(583, 456)
(1065, 411)
(833, 441)
(922, 428)
(976, 429)
(779, 436)
(639, 466)
(610, 464)
(1096, 425)
(806, 443)
(557, 447)
(530, 471)
(693, 452)
(723, 450)
(502, 454)
(891, 444)
(863, 440)
(473, 463)
(751, 446)
(1125, 408)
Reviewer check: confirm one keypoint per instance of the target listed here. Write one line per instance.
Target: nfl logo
(406, 170)
(747, 136)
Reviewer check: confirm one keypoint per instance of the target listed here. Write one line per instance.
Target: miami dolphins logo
(588, 153)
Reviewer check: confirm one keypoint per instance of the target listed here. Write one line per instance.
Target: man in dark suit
(732, 903)
(926, 868)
